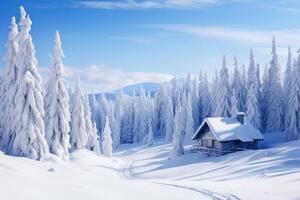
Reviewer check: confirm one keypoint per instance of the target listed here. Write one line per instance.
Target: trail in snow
(126, 173)
(213, 195)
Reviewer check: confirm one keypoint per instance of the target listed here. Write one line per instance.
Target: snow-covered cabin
(225, 135)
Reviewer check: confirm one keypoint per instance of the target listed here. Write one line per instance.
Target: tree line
(59, 119)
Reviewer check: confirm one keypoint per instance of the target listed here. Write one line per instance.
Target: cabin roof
(229, 129)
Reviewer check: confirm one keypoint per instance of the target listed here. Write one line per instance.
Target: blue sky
(127, 41)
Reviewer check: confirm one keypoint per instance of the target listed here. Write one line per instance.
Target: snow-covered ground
(139, 172)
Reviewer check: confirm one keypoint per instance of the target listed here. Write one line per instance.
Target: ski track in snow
(126, 174)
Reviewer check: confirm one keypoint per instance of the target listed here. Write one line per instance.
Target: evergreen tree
(223, 106)
(57, 116)
(150, 141)
(29, 111)
(103, 111)
(234, 105)
(274, 104)
(195, 103)
(292, 100)
(107, 140)
(205, 99)
(264, 99)
(188, 123)
(8, 84)
(92, 137)
(177, 149)
(237, 86)
(118, 112)
(253, 111)
(288, 88)
(78, 134)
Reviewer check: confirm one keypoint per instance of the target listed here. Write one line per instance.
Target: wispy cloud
(99, 78)
(290, 7)
(248, 36)
(150, 4)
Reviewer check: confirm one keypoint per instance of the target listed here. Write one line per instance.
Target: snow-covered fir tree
(274, 103)
(103, 111)
(127, 121)
(78, 134)
(223, 106)
(195, 103)
(234, 105)
(237, 86)
(92, 141)
(189, 124)
(118, 113)
(288, 88)
(164, 113)
(205, 99)
(141, 116)
(57, 116)
(169, 117)
(177, 147)
(8, 84)
(107, 140)
(253, 111)
(292, 101)
(29, 139)
(264, 97)
(150, 140)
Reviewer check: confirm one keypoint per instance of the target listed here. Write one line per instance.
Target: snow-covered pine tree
(8, 86)
(287, 89)
(292, 102)
(112, 119)
(195, 103)
(150, 140)
(29, 111)
(253, 111)
(169, 117)
(274, 104)
(215, 93)
(94, 108)
(234, 105)
(107, 140)
(78, 134)
(188, 123)
(264, 98)
(118, 112)
(224, 93)
(92, 140)
(127, 121)
(205, 99)
(177, 149)
(164, 113)
(57, 116)
(141, 116)
(237, 86)
(103, 110)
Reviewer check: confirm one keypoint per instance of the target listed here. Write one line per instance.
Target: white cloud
(148, 4)
(99, 78)
(248, 36)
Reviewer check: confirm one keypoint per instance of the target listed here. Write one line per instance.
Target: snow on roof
(228, 129)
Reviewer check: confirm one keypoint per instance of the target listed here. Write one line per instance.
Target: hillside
(139, 172)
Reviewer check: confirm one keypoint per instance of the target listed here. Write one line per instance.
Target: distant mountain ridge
(131, 89)
(135, 88)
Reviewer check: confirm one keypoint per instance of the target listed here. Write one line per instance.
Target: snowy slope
(264, 174)
(137, 172)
